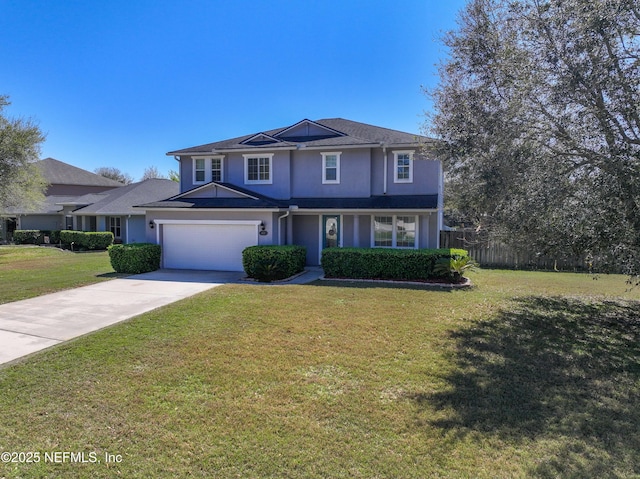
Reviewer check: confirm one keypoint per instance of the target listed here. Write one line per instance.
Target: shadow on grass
(386, 285)
(561, 372)
(112, 275)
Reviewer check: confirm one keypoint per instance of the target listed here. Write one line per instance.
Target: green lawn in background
(28, 271)
(526, 375)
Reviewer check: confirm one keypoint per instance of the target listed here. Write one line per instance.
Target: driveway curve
(34, 324)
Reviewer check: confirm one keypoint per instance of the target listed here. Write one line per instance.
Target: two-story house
(319, 184)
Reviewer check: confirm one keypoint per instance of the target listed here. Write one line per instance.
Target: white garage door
(206, 246)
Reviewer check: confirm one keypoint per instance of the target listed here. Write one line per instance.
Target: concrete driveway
(34, 324)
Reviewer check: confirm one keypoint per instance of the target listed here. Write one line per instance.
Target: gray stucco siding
(306, 232)
(41, 222)
(134, 229)
(425, 174)
(355, 174)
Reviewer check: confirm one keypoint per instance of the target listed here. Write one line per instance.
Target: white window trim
(395, 166)
(207, 168)
(247, 181)
(394, 231)
(324, 168)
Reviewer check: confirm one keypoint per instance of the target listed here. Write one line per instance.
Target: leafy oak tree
(21, 182)
(538, 107)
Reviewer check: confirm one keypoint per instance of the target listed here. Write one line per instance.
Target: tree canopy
(21, 182)
(152, 172)
(538, 107)
(114, 173)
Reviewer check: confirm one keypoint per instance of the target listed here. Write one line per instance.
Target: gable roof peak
(308, 129)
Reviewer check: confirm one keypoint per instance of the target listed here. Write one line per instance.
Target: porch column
(427, 242)
(356, 231)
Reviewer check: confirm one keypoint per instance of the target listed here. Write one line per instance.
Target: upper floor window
(257, 168)
(403, 162)
(206, 169)
(216, 169)
(331, 167)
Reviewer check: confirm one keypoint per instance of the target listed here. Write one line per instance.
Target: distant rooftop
(59, 173)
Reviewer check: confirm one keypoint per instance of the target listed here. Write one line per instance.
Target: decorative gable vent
(307, 130)
(260, 139)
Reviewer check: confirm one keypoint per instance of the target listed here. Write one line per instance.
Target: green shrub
(82, 240)
(455, 267)
(270, 263)
(97, 240)
(27, 237)
(135, 258)
(54, 237)
(383, 263)
(72, 239)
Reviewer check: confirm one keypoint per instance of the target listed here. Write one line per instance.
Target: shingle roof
(51, 204)
(59, 173)
(404, 202)
(347, 133)
(121, 201)
(395, 202)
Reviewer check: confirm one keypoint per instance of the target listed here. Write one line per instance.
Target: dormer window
(403, 166)
(331, 168)
(206, 169)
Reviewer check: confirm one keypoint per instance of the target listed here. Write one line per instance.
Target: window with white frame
(216, 169)
(395, 231)
(199, 172)
(403, 162)
(257, 168)
(383, 231)
(206, 169)
(331, 168)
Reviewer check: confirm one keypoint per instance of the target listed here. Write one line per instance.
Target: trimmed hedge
(383, 263)
(27, 237)
(135, 258)
(86, 240)
(82, 240)
(270, 263)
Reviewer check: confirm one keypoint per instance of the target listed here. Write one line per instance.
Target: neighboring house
(65, 184)
(114, 210)
(77, 199)
(318, 184)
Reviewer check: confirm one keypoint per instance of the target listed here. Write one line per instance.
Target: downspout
(384, 156)
(126, 234)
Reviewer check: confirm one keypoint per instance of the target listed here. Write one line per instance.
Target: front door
(330, 231)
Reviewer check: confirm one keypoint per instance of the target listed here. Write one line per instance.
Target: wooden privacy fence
(497, 255)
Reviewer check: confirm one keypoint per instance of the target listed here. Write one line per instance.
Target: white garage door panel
(208, 247)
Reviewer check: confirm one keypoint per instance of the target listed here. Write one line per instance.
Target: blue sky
(121, 82)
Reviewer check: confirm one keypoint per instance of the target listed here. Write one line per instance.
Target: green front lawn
(527, 375)
(28, 271)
